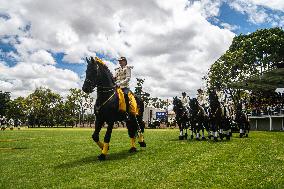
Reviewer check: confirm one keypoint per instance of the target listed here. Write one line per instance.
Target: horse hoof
(102, 157)
(180, 137)
(241, 135)
(132, 150)
(203, 138)
(142, 144)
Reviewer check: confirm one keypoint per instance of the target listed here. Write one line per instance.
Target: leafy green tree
(140, 92)
(5, 98)
(41, 109)
(248, 55)
(18, 109)
(159, 103)
(77, 100)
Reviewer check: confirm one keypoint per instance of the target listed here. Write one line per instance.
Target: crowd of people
(266, 103)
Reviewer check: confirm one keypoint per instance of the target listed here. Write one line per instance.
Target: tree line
(44, 107)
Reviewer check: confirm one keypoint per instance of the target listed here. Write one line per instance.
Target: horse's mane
(105, 68)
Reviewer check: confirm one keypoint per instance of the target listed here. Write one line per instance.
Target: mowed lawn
(67, 158)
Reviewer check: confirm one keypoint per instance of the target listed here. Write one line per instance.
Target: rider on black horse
(122, 78)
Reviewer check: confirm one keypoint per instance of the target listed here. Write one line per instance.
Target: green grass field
(67, 158)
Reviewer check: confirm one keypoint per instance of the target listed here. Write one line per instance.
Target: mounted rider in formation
(185, 104)
(213, 114)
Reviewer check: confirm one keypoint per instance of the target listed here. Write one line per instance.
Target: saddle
(133, 107)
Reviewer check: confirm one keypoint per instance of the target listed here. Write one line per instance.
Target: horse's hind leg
(184, 128)
(247, 128)
(198, 130)
(180, 131)
(132, 130)
(214, 130)
(141, 127)
(241, 130)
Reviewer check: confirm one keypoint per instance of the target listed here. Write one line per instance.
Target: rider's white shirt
(185, 101)
(123, 76)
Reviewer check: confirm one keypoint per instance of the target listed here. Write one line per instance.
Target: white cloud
(255, 14)
(230, 27)
(257, 10)
(272, 4)
(25, 77)
(169, 43)
(42, 57)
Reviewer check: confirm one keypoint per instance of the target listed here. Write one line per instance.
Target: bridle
(101, 89)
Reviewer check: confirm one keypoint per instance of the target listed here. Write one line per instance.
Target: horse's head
(91, 76)
(97, 75)
(177, 105)
(176, 102)
(213, 98)
(193, 104)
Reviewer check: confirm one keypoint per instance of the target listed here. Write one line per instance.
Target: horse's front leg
(202, 125)
(105, 147)
(96, 134)
(180, 130)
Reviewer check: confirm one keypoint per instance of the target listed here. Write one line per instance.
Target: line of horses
(216, 120)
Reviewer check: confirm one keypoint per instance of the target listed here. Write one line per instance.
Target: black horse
(182, 118)
(216, 116)
(199, 120)
(242, 121)
(107, 106)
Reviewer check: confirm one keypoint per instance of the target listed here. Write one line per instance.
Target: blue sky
(42, 38)
(233, 17)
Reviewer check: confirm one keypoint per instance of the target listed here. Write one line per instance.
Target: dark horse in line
(242, 121)
(182, 118)
(216, 118)
(199, 120)
(107, 106)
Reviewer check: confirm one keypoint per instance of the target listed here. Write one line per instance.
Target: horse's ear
(87, 60)
(92, 59)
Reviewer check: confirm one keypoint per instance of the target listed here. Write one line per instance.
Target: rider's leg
(125, 92)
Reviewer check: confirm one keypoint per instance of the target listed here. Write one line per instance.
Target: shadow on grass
(11, 149)
(93, 159)
(199, 141)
